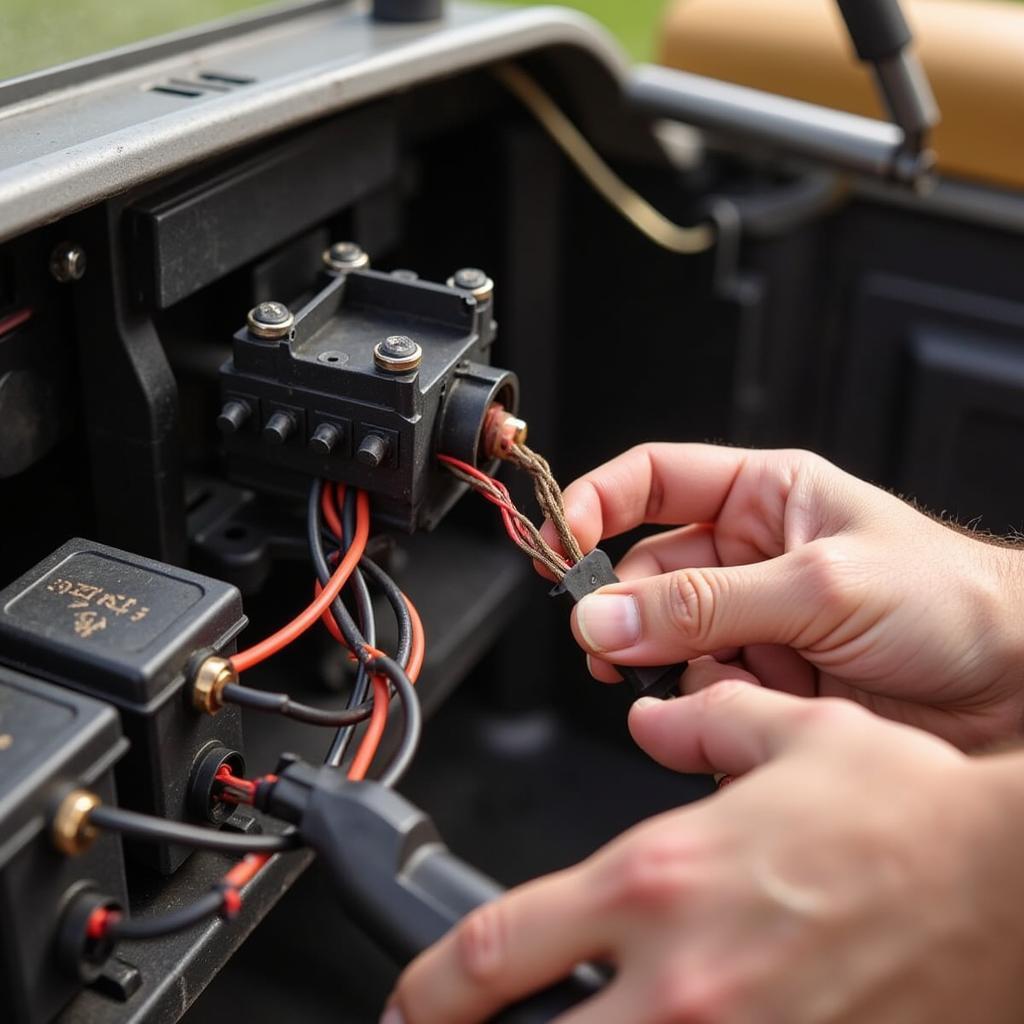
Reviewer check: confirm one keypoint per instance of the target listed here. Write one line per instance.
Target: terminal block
(51, 741)
(366, 384)
(122, 628)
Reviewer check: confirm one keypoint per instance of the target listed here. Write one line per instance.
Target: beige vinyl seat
(973, 51)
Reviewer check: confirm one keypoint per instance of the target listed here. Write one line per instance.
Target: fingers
(615, 1004)
(675, 549)
(680, 615)
(652, 483)
(527, 940)
(731, 726)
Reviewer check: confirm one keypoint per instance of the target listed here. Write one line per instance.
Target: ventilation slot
(205, 83)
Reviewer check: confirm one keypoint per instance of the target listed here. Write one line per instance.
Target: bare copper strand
(539, 550)
(549, 496)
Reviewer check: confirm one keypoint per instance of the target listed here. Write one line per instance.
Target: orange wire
(294, 629)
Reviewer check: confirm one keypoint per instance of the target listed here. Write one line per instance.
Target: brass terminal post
(209, 678)
(71, 831)
(500, 432)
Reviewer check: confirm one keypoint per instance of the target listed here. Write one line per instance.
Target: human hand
(859, 871)
(827, 585)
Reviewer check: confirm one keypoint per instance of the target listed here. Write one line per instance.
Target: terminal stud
(278, 428)
(373, 450)
(233, 416)
(71, 830)
(324, 438)
(270, 320)
(209, 677)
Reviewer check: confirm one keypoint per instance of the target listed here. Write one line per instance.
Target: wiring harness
(576, 574)
(338, 527)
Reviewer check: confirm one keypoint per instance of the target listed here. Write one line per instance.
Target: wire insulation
(628, 202)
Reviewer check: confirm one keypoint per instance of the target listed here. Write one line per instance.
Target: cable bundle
(343, 517)
(518, 525)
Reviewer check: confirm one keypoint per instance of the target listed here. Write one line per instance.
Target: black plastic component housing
(122, 628)
(51, 741)
(592, 572)
(386, 428)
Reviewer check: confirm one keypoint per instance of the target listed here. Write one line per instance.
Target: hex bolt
(270, 320)
(474, 281)
(397, 354)
(278, 428)
(373, 450)
(324, 438)
(342, 257)
(67, 262)
(233, 416)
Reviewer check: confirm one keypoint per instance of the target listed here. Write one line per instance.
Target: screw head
(270, 320)
(67, 262)
(345, 256)
(474, 281)
(397, 354)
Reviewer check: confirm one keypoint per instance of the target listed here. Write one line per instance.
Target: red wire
(513, 527)
(9, 323)
(294, 629)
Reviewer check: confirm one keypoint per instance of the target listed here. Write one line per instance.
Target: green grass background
(37, 34)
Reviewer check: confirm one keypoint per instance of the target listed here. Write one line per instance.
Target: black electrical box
(51, 741)
(378, 375)
(122, 628)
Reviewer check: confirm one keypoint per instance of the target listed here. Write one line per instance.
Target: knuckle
(691, 599)
(722, 691)
(827, 569)
(481, 943)
(682, 996)
(650, 876)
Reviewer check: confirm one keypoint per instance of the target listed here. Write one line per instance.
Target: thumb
(733, 726)
(679, 615)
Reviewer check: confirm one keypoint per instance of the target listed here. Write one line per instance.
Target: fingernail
(608, 622)
(642, 703)
(392, 1015)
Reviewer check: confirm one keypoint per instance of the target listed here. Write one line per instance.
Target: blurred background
(36, 34)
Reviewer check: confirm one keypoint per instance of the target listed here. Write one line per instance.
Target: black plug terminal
(394, 874)
(592, 572)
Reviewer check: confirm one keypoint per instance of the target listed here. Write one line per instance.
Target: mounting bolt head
(474, 281)
(279, 427)
(342, 257)
(67, 262)
(233, 416)
(270, 320)
(397, 354)
(373, 450)
(71, 831)
(208, 682)
(324, 438)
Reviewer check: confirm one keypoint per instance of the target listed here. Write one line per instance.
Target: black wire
(282, 704)
(167, 924)
(159, 830)
(412, 724)
(412, 717)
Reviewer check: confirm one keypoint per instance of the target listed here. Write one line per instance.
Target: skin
(860, 868)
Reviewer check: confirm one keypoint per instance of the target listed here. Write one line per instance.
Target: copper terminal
(501, 431)
(71, 831)
(213, 674)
